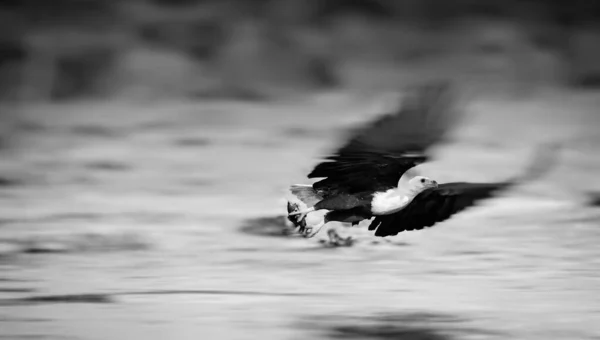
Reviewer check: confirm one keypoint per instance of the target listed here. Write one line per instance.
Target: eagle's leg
(295, 223)
(310, 222)
(302, 213)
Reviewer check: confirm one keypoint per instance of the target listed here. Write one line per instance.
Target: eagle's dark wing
(377, 155)
(435, 205)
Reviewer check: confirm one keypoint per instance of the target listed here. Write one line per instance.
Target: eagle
(368, 177)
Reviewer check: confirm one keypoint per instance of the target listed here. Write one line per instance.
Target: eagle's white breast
(389, 202)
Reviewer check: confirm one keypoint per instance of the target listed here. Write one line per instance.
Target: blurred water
(123, 221)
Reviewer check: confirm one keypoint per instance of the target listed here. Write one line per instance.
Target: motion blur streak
(147, 147)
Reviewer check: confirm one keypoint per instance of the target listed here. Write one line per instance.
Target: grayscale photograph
(299, 169)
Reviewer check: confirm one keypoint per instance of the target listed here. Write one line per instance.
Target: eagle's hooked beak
(434, 184)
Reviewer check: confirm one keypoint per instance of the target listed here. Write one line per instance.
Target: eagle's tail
(306, 193)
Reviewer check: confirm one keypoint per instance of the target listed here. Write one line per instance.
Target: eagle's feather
(376, 156)
(435, 205)
(306, 193)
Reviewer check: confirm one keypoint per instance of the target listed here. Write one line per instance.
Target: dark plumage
(439, 204)
(361, 179)
(435, 205)
(377, 155)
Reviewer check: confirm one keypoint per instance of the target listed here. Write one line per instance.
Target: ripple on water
(52, 299)
(81, 243)
(405, 326)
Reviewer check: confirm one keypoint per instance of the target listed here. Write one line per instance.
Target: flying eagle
(362, 178)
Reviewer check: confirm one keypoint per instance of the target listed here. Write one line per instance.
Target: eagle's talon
(301, 213)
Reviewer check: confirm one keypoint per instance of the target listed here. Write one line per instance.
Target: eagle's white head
(419, 184)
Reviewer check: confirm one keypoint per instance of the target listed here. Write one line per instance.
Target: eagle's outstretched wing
(377, 155)
(437, 205)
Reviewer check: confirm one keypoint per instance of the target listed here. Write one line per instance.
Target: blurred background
(73, 49)
(146, 148)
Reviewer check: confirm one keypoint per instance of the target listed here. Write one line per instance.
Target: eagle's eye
(422, 180)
